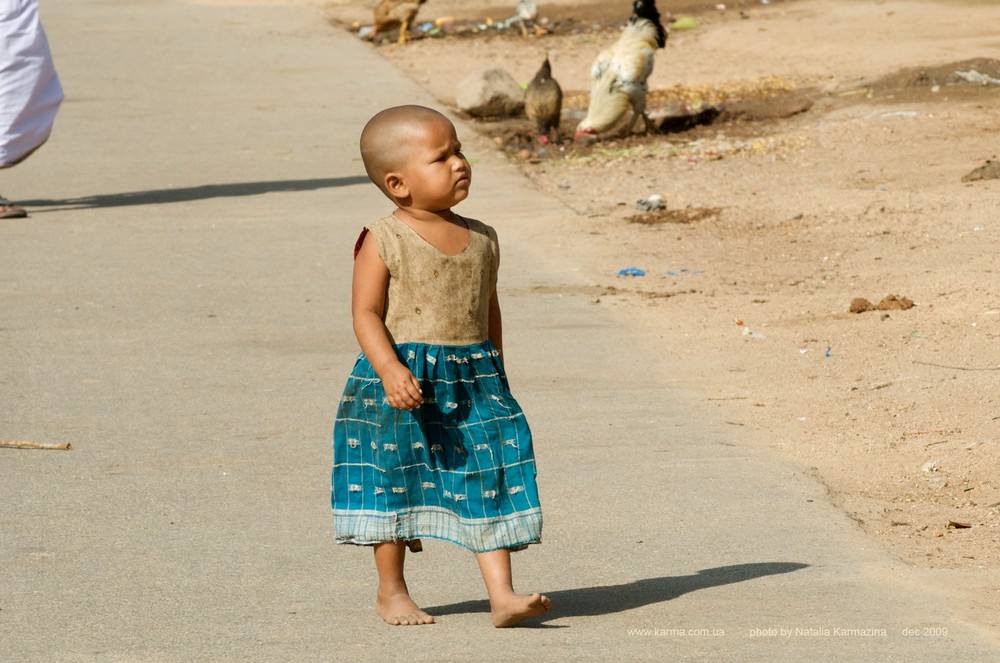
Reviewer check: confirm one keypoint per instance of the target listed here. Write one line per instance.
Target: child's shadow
(590, 601)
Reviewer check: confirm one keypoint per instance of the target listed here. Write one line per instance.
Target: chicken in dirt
(618, 76)
(543, 103)
(527, 14)
(390, 14)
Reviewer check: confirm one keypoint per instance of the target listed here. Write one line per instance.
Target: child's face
(436, 172)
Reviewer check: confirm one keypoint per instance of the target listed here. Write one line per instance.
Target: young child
(428, 440)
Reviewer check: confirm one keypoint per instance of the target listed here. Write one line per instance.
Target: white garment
(30, 93)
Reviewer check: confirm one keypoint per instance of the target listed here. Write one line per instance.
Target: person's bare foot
(513, 609)
(9, 210)
(398, 609)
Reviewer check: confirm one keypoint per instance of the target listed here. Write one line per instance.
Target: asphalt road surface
(176, 307)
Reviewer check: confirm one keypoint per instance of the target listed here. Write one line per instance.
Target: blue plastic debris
(631, 271)
(829, 349)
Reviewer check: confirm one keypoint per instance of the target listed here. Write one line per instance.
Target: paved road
(177, 308)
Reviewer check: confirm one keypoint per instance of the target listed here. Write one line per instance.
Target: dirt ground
(830, 168)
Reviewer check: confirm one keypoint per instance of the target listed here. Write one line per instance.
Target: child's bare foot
(399, 610)
(512, 609)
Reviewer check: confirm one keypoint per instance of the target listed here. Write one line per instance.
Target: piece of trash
(652, 204)
(365, 31)
(829, 351)
(684, 23)
(721, 7)
(802, 351)
(973, 76)
(739, 323)
(752, 334)
(931, 465)
(631, 271)
(866, 91)
(954, 524)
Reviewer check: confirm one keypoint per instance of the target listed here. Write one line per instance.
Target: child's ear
(395, 185)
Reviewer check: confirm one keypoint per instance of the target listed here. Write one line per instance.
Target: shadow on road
(592, 601)
(162, 196)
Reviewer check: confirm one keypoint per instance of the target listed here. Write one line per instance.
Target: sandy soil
(832, 171)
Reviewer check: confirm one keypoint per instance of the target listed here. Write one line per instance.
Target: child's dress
(460, 467)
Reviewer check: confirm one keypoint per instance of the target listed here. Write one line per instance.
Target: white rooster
(619, 73)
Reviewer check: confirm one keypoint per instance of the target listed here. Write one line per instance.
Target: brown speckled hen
(390, 14)
(543, 102)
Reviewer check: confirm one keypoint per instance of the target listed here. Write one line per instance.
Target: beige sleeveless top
(432, 297)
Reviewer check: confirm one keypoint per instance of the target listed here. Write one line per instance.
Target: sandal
(9, 210)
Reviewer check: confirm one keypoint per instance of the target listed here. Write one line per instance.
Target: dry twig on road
(10, 444)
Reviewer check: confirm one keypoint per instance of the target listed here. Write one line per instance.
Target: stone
(490, 93)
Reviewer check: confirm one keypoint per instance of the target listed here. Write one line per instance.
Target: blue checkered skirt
(460, 468)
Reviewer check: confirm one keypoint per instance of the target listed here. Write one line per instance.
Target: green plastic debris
(684, 23)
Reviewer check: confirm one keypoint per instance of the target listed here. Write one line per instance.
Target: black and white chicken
(525, 16)
(619, 74)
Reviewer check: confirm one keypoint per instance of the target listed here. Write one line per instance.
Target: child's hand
(401, 388)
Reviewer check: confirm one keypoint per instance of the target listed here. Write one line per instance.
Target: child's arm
(371, 277)
(496, 323)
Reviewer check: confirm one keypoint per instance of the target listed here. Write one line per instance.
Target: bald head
(386, 139)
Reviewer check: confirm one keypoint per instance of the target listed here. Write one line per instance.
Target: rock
(895, 303)
(988, 171)
(888, 303)
(490, 93)
(860, 305)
